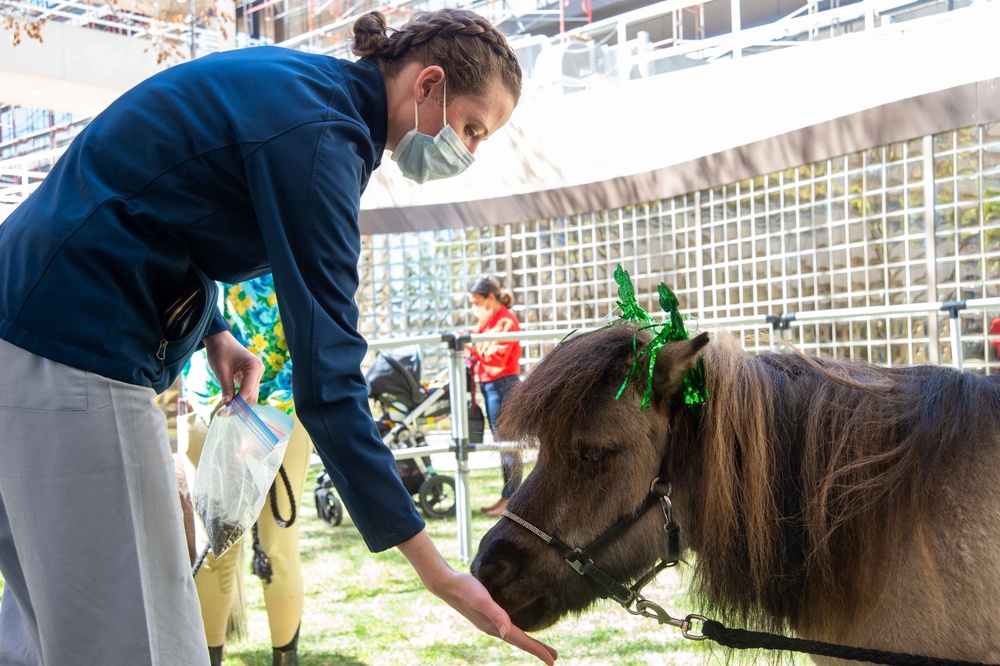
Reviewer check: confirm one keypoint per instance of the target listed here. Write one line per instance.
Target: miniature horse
(844, 502)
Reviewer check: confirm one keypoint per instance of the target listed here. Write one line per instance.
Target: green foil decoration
(671, 330)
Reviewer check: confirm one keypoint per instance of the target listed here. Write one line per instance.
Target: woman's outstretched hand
(468, 596)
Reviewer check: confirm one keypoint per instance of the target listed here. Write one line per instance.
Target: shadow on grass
(262, 657)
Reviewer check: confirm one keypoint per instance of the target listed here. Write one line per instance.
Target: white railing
(627, 58)
(543, 56)
(20, 176)
(28, 164)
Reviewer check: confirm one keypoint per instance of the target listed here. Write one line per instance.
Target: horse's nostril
(493, 571)
(495, 566)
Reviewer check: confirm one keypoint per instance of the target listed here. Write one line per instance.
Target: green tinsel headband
(671, 330)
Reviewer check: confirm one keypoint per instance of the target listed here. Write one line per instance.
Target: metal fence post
(458, 398)
(779, 324)
(955, 323)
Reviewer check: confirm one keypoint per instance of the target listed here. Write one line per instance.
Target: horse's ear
(673, 363)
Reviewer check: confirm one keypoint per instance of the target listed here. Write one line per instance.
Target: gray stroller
(405, 405)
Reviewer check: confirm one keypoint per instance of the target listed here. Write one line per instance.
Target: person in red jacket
(498, 369)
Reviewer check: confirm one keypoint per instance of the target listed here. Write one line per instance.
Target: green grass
(362, 608)
(366, 609)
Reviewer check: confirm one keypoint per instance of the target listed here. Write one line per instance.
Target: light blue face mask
(422, 157)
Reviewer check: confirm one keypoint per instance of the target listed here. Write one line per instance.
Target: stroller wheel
(328, 506)
(437, 496)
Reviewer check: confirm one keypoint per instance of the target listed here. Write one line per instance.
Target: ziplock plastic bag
(243, 450)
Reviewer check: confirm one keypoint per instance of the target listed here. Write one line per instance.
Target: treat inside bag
(243, 450)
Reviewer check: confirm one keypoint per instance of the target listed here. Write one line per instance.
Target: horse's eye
(593, 455)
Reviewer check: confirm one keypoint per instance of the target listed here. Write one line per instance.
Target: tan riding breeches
(216, 579)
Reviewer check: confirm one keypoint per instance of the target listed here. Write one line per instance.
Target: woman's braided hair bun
(370, 35)
(472, 52)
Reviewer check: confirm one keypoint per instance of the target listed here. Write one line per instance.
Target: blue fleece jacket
(221, 169)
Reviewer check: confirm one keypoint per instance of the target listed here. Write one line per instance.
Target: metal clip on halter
(670, 528)
(654, 611)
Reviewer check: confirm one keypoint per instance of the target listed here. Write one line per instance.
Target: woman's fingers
(468, 596)
(532, 646)
(483, 605)
(233, 364)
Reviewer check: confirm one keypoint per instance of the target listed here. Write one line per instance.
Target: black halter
(582, 559)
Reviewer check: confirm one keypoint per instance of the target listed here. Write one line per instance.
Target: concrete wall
(82, 70)
(75, 70)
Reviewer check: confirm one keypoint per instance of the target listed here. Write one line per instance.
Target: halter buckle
(576, 562)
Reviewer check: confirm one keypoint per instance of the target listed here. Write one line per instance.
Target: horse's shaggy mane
(801, 471)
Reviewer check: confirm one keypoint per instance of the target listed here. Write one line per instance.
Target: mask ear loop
(444, 107)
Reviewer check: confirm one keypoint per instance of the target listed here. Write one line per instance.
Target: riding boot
(287, 655)
(215, 655)
(492, 507)
(498, 508)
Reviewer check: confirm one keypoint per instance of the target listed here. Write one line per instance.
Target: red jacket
(497, 359)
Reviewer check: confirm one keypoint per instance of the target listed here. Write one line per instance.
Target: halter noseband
(582, 559)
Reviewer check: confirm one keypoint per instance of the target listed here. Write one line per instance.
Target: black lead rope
(261, 562)
(291, 500)
(200, 561)
(742, 639)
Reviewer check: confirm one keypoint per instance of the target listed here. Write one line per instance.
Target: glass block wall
(913, 222)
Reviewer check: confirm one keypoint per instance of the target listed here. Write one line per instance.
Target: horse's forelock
(566, 384)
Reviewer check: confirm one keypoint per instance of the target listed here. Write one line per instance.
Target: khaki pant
(91, 536)
(217, 579)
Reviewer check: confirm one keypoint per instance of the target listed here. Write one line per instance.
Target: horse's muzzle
(523, 585)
